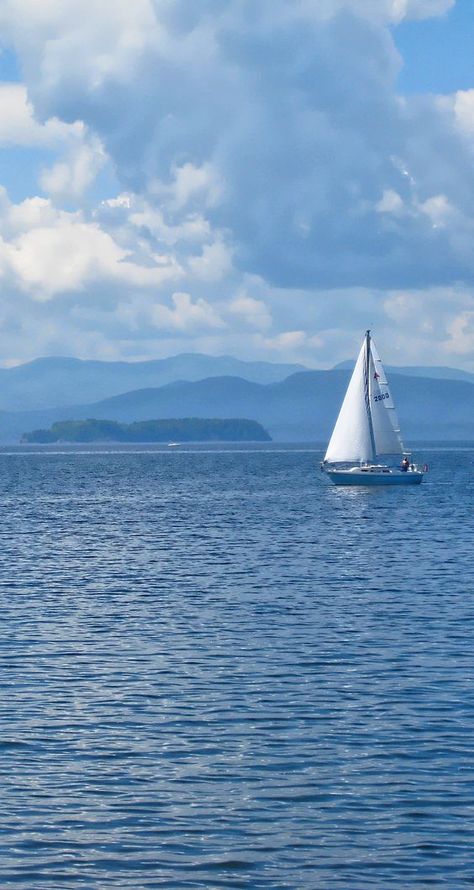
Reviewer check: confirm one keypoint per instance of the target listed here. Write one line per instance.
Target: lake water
(217, 670)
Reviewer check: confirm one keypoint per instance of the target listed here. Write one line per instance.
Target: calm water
(219, 671)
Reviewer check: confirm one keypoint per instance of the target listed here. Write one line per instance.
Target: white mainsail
(352, 439)
(367, 425)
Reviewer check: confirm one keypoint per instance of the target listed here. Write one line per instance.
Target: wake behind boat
(366, 447)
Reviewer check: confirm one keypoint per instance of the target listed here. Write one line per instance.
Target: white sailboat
(366, 447)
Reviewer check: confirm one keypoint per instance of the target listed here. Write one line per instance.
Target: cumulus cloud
(81, 153)
(254, 312)
(214, 262)
(188, 184)
(18, 125)
(423, 326)
(261, 143)
(70, 177)
(461, 335)
(47, 252)
(390, 202)
(279, 121)
(184, 315)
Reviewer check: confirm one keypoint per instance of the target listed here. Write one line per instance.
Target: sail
(352, 438)
(384, 416)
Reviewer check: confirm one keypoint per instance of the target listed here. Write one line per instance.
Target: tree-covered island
(190, 429)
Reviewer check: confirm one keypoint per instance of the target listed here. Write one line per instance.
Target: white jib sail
(351, 439)
(384, 416)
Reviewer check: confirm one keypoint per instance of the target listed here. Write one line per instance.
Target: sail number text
(383, 395)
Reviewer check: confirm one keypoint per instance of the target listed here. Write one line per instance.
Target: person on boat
(405, 464)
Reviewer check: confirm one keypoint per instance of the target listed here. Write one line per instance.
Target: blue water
(217, 670)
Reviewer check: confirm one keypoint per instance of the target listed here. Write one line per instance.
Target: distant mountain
(62, 382)
(435, 372)
(303, 407)
(52, 382)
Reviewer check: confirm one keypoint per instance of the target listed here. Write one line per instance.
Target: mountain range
(52, 382)
(301, 407)
(436, 372)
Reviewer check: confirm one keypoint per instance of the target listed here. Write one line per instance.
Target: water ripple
(218, 671)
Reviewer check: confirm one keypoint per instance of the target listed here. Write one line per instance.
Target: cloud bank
(274, 195)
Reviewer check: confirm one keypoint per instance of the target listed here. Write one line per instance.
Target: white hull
(374, 476)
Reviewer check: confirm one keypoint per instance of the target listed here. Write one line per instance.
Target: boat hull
(362, 477)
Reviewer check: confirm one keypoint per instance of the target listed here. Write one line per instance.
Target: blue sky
(438, 52)
(259, 179)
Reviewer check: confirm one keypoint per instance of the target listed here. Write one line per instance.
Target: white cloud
(286, 340)
(434, 326)
(403, 307)
(275, 123)
(83, 155)
(461, 335)
(437, 209)
(50, 252)
(71, 255)
(193, 228)
(463, 103)
(19, 127)
(71, 177)
(254, 312)
(390, 202)
(190, 183)
(185, 315)
(32, 213)
(296, 346)
(214, 262)
(106, 40)
(271, 181)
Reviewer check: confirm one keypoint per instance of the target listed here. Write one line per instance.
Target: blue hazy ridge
(301, 407)
(59, 381)
(217, 670)
(63, 382)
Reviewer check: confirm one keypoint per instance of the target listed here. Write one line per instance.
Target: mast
(367, 393)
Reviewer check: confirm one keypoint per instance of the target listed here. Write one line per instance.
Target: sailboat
(366, 447)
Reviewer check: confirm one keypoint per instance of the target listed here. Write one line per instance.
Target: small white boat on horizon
(366, 447)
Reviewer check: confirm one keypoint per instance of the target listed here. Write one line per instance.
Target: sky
(259, 178)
